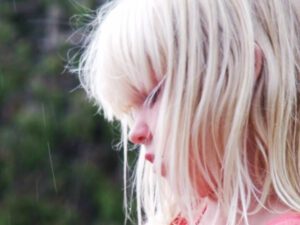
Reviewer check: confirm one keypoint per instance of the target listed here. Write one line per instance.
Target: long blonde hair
(221, 122)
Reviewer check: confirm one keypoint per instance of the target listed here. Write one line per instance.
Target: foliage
(56, 162)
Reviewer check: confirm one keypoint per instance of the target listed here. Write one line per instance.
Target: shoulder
(288, 219)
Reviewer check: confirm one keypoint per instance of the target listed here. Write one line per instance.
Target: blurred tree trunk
(52, 34)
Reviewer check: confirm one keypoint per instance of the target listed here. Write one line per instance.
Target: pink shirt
(287, 219)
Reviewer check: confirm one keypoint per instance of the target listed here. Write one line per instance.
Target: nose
(140, 133)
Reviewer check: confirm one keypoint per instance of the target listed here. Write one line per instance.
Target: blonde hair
(221, 122)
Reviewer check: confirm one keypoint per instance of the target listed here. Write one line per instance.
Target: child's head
(210, 90)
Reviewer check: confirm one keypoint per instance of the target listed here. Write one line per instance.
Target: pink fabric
(288, 219)
(179, 221)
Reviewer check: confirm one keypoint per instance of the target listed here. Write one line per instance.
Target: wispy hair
(217, 120)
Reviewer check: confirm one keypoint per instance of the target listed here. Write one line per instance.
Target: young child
(209, 90)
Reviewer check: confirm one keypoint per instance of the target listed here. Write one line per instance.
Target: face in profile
(142, 132)
(145, 119)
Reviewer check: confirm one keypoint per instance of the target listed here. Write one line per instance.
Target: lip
(149, 156)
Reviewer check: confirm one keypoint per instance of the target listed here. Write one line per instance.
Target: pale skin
(142, 133)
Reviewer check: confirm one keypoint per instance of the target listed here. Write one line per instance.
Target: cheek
(152, 117)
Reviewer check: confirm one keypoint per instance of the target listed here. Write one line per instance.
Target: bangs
(124, 58)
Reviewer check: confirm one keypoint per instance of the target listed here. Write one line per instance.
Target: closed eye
(154, 94)
(152, 98)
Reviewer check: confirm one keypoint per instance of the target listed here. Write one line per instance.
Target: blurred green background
(57, 166)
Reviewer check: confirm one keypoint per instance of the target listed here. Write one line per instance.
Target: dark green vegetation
(57, 166)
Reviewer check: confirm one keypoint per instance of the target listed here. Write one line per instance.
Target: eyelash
(154, 94)
(152, 98)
